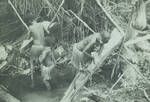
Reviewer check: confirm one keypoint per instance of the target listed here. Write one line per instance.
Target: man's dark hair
(29, 18)
(39, 19)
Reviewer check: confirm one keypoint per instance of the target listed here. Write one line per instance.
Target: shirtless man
(37, 30)
(83, 49)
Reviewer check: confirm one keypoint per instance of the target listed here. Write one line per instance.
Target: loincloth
(36, 50)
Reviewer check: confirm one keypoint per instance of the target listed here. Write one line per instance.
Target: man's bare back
(37, 32)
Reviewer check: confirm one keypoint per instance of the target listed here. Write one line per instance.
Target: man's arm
(91, 40)
(45, 25)
(52, 27)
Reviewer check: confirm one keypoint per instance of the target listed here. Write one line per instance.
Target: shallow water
(43, 96)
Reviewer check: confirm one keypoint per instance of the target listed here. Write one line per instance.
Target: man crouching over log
(37, 30)
(82, 50)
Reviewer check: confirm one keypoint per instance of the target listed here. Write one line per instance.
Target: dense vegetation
(123, 76)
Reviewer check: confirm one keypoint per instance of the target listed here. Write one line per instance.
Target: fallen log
(6, 97)
(82, 77)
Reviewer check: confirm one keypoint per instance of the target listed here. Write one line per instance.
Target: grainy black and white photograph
(74, 50)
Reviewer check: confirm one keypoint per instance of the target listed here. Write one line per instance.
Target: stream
(20, 88)
(43, 95)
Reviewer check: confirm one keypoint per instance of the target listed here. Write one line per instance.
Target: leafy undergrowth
(125, 87)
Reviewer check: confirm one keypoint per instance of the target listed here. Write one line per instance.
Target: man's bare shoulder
(96, 34)
(45, 23)
(35, 26)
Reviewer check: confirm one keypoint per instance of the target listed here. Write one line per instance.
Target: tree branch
(110, 18)
(48, 3)
(85, 24)
(9, 2)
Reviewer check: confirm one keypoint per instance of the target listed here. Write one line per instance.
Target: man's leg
(47, 84)
(32, 73)
(45, 72)
(44, 53)
(35, 53)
